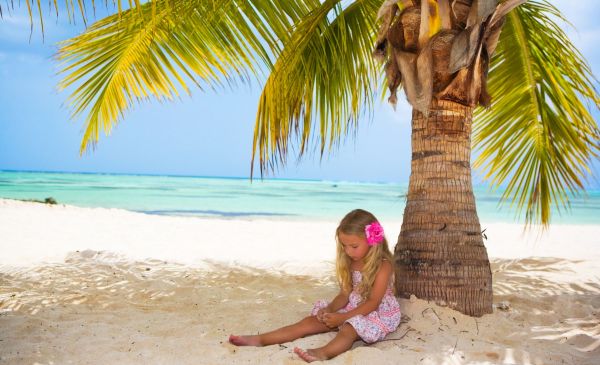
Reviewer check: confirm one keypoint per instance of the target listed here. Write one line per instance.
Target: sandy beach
(108, 286)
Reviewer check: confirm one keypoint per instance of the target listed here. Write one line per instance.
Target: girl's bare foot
(309, 355)
(244, 340)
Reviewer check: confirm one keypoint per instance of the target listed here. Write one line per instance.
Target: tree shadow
(549, 312)
(39, 302)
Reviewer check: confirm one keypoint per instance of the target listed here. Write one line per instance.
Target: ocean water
(240, 198)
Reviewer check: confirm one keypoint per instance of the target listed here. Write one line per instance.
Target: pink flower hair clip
(374, 233)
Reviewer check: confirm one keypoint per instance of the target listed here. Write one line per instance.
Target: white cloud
(20, 57)
(586, 42)
(582, 13)
(29, 58)
(16, 27)
(16, 20)
(402, 114)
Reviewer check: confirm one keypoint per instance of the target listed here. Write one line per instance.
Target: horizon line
(201, 176)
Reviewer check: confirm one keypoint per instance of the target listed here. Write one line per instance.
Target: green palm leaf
(538, 135)
(139, 54)
(320, 83)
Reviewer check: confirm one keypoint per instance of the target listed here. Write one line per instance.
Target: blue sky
(207, 134)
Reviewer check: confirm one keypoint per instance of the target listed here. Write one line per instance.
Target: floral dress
(375, 325)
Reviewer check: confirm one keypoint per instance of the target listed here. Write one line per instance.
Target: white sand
(107, 286)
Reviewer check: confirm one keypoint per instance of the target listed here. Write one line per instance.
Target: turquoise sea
(241, 198)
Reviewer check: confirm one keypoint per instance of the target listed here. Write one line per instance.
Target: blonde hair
(354, 224)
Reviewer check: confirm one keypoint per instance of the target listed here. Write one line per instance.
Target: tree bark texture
(440, 253)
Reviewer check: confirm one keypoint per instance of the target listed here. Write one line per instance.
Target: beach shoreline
(97, 286)
(28, 226)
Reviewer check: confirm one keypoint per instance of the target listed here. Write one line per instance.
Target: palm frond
(156, 50)
(324, 79)
(538, 135)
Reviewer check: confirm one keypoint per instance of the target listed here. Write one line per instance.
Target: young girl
(365, 307)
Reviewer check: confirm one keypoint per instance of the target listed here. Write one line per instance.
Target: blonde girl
(365, 307)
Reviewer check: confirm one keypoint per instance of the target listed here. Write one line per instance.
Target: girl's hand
(333, 320)
(320, 314)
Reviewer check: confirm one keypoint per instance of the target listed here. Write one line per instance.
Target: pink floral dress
(375, 325)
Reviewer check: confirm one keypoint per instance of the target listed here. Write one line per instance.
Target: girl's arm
(338, 302)
(382, 279)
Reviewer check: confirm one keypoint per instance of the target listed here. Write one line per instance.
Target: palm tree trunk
(440, 253)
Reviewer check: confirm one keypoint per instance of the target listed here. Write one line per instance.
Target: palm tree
(536, 134)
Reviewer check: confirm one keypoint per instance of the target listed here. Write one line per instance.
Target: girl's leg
(307, 326)
(342, 342)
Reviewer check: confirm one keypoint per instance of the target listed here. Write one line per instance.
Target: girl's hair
(354, 224)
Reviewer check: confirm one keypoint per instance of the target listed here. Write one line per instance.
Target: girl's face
(355, 246)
